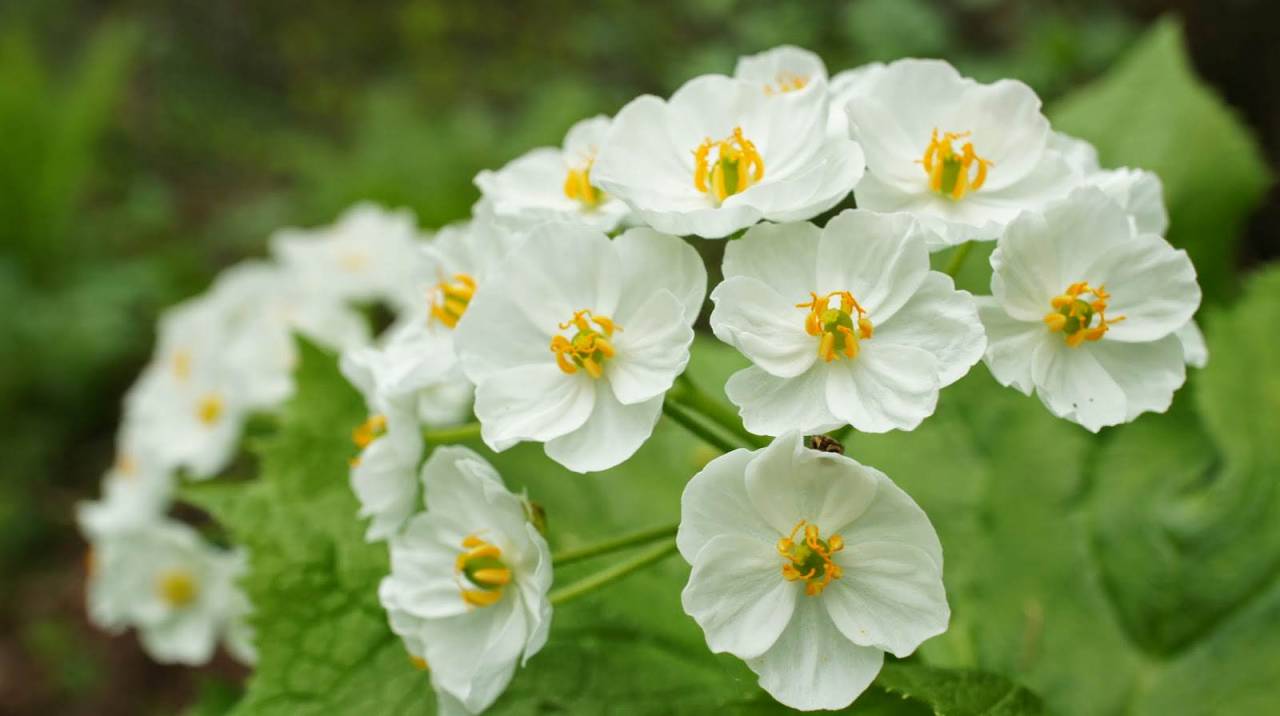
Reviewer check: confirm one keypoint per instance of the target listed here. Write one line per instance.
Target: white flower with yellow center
(469, 580)
(783, 69)
(136, 490)
(574, 341)
(809, 566)
(361, 257)
(723, 154)
(844, 325)
(964, 157)
(1086, 310)
(162, 579)
(554, 184)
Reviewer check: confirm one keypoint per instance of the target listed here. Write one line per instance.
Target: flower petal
(1148, 373)
(533, 402)
(766, 327)
(612, 434)
(781, 256)
(651, 350)
(788, 482)
(890, 597)
(651, 262)
(715, 502)
(941, 320)
(738, 595)
(1010, 344)
(1152, 285)
(1074, 385)
(881, 258)
(887, 387)
(770, 405)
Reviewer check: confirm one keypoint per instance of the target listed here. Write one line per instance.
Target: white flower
(964, 157)
(576, 338)
(1085, 312)
(722, 155)
(384, 476)
(135, 491)
(782, 69)
(554, 184)
(809, 566)
(844, 325)
(363, 256)
(469, 580)
(164, 580)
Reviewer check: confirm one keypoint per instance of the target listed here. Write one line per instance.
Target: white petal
(788, 482)
(386, 483)
(473, 656)
(422, 581)
(881, 258)
(812, 665)
(891, 517)
(651, 262)
(887, 387)
(810, 189)
(494, 335)
(715, 502)
(533, 402)
(782, 256)
(612, 434)
(1006, 128)
(770, 405)
(890, 597)
(1073, 385)
(766, 327)
(942, 321)
(1194, 349)
(1148, 373)
(1151, 284)
(738, 595)
(560, 268)
(1010, 344)
(651, 350)
(789, 60)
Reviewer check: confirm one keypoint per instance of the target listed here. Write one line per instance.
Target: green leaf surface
(1153, 112)
(958, 692)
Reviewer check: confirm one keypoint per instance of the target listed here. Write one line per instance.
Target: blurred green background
(146, 144)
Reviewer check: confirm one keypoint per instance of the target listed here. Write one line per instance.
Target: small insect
(824, 443)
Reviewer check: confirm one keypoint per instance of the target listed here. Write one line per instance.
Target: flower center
(589, 348)
(1073, 313)
(209, 409)
(577, 186)
(809, 560)
(450, 298)
(369, 430)
(786, 82)
(834, 327)
(484, 569)
(177, 588)
(182, 364)
(953, 174)
(726, 167)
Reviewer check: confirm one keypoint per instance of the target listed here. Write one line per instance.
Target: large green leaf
(1153, 112)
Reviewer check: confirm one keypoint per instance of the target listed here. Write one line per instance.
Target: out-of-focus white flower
(844, 325)
(574, 341)
(135, 491)
(1139, 192)
(162, 579)
(363, 256)
(469, 580)
(782, 69)
(964, 157)
(1085, 311)
(809, 566)
(723, 154)
(554, 184)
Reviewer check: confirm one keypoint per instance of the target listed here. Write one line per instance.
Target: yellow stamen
(182, 364)
(418, 662)
(835, 327)
(354, 261)
(590, 346)
(785, 82)
(209, 409)
(809, 560)
(736, 166)
(177, 588)
(953, 174)
(368, 431)
(577, 186)
(449, 299)
(482, 572)
(1073, 315)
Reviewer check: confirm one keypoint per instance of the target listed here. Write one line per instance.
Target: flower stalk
(609, 575)
(570, 556)
(452, 434)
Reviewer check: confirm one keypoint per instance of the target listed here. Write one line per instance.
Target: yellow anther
(835, 327)
(786, 81)
(1078, 318)
(590, 346)
(177, 588)
(735, 167)
(810, 560)
(209, 408)
(953, 174)
(482, 572)
(182, 364)
(354, 261)
(368, 431)
(450, 298)
(126, 465)
(577, 186)
(418, 662)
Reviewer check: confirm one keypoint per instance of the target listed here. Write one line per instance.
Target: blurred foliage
(145, 145)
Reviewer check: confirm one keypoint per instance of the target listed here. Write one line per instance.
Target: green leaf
(323, 639)
(1153, 112)
(957, 692)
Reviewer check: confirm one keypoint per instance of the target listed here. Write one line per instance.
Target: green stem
(690, 396)
(569, 556)
(612, 574)
(680, 414)
(957, 259)
(452, 434)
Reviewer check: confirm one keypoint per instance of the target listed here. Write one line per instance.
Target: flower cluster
(562, 313)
